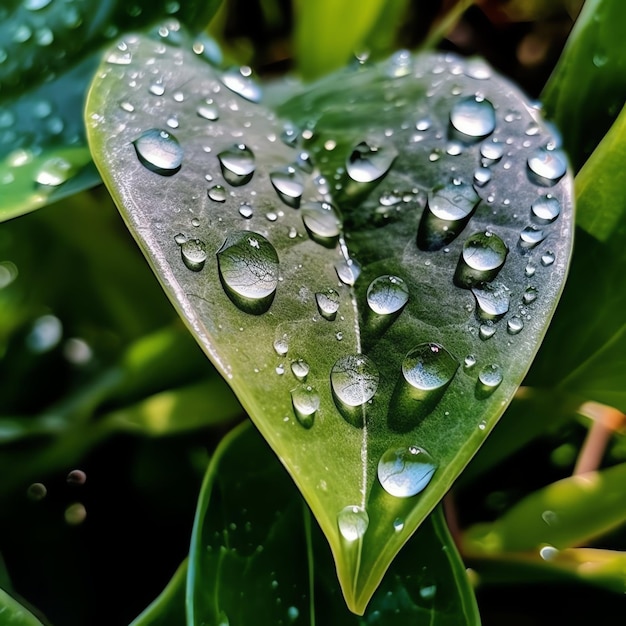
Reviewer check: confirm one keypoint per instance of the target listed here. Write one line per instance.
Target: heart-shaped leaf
(374, 321)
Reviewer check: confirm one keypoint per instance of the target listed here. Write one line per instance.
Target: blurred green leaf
(587, 88)
(14, 614)
(557, 515)
(269, 283)
(253, 540)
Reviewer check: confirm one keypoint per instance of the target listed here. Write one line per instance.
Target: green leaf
(557, 515)
(319, 370)
(169, 608)
(13, 613)
(587, 89)
(48, 54)
(253, 540)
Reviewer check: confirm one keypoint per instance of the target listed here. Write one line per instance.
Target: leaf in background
(255, 556)
(397, 372)
(14, 614)
(48, 53)
(587, 88)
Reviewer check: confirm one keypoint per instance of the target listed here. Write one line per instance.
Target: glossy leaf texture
(13, 613)
(49, 50)
(256, 558)
(374, 331)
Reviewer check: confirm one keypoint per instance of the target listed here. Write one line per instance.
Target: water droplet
(245, 210)
(44, 36)
(473, 118)
(248, 267)
(237, 164)
(492, 300)
(54, 172)
(208, 111)
(352, 522)
(387, 295)
(547, 258)
(157, 88)
(281, 345)
(180, 239)
(354, 379)
(398, 524)
(159, 151)
(531, 237)
(36, 492)
(289, 186)
(348, 271)
(280, 369)
(120, 56)
(515, 325)
(530, 295)
(195, 222)
(127, 106)
(482, 258)
(75, 514)
(193, 252)
(293, 613)
(486, 330)
(327, 303)
(429, 367)
(321, 222)
(469, 361)
(35, 5)
(482, 175)
(423, 124)
(369, 161)
(217, 193)
(239, 81)
(489, 378)
(478, 69)
(545, 210)
(529, 270)
(404, 472)
(77, 477)
(492, 150)
(547, 167)
(300, 369)
(306, 402)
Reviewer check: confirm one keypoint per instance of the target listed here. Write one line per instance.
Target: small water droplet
(482, 258)
(529, 270)
(489, 379)
(127, 106)
(245, 210)
(369, 161)
(180, 239)
(478, 69)
(354, 380)
(300, 369)
(36, 492)
(404, 472)
(486, 330)
(398, 524)
(352, 522)
(159, 151)
(208, 111)
(469, 361)
(429, 367)
(530, 295)
(248, 267)
(387, 295)
(54, 172)
(193, 253)
(482, 175)
(400, 64)
(280, 369)
(531, 237)
(327, 303)
(547, 167)
(289, 186)
(76, 477)
(547, 258)
(281, 345)
(157, 88)
(348, 271)
(293, 613)
(321, 222)
(217, 193)
(515, 325)
(473, 118)
(120, 56)
(545, 209)
(237, 164)
(492, 300)
(35, 5)
(240, 82)
(306, 402)
(492, 150)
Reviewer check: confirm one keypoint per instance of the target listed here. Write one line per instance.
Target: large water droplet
(387, 295)
(404, 472)
(369, 161)
(237, 164)
(545, 209)
(352, 522)
(248, 267)
(322, 223)
(473, 118)
(482, 258)
(492, 301)
(547, 167)
(354, 380)
(429, 367)
(159, 151)
(193, 252)
(289, 186)
(327, 303)
(239, 80)
(306, 402)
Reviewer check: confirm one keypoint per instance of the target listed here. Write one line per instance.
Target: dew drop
(545, 210)
(193, 252)
(486, 330)
(289, 186)
(248, 268)
(469, 361)
(237, 164)
(530, 295)
(492, 151)
(239, 81)
(36, 492)
(547, 167)
(387, 295)
(54, 172)
(492, 301)
(76, 477)
(348, 271)
(473, 118)
(217, 193)
(547, 258)
(157, 88)
(300, 369)
(400, 64)
(35, 5)
(429, 367)
(180, 239)
(489, 378)
(354, 380)
(515, 325)
(531, 237)
(398, 524)
(453, 202)
(281, 346)
(478, 69)
(321, 222)
(404, 472)
(482, 258)
(120, 56)
(245, 210)
(208, 111)
(482, 175)
(327, 303)
(352, 522)
(159, 151)
(369, 162)
(306, 402)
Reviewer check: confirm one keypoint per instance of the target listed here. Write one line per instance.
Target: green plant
(370, 260)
